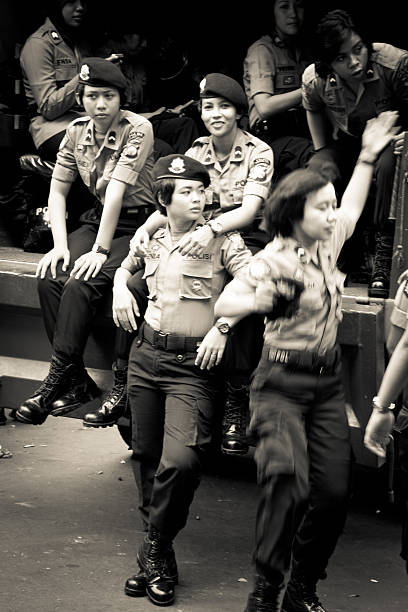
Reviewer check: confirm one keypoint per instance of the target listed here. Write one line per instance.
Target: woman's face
(219, 116)
(74, 13)
(319, 216)
(351, 61)
(289, 17)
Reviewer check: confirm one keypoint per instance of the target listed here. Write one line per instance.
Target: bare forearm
(317, 127)
(230, 304)
(271, 105)
(121, 278)
(57, 210)
(395, 375)
(155, 221)
(242, 216)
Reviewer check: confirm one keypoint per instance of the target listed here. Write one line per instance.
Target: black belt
(169, 342)
(306, 361)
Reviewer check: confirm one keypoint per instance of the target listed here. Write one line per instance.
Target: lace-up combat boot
(114, 404)
(152, 558)
(57, 382)
(135, 586)
(301, 596)
(234, 440)
(265, 597)
(380, 277)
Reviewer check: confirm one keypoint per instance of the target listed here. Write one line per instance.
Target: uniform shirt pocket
(196, 280)
(149, 275)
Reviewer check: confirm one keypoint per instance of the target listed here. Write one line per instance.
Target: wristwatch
(215, 227)
(383, 409)
(97, 248)
(223, 327)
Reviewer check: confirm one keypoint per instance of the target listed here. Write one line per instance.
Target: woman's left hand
(195, 242)
(89, 264)
(379, 132)
(211, 350)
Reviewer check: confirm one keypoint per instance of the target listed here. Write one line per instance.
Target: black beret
(216, 84)
(180, 166)
(98, 72)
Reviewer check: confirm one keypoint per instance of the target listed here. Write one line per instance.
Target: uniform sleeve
(137, 148)
(399, 314)
(311, 99)
(343, 230)
(132, 264)
(37, 62)
(261, 69)
(401, 81)
(260, 172)
(235, 255)
(66, 169)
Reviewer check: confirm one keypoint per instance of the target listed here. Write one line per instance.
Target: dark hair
(286, 203)
(81, 87)
(332, 31)
(163, 189)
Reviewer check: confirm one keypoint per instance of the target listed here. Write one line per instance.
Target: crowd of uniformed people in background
(185, 174)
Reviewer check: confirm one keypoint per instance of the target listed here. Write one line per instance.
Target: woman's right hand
(140, 242)
(50, 260)
(379, 132)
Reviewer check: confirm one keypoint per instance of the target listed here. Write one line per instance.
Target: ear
(160, 198)
(78, 99)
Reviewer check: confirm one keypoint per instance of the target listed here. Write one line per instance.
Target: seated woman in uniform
(240, 167)
(112, 151)
(297, 399)
(50, 62)
(351, 82)
(272, 78)
(171, 384)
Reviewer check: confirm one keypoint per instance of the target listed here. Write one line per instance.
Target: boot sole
(86, 424)
(227, 451)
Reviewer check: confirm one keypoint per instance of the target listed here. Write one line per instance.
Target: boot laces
(115, 394)
(267, 596)
(53, 378)
(309, 595)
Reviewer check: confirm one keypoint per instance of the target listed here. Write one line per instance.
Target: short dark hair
(286, 203)
(332, 31)
(163, 189)
(81, 87)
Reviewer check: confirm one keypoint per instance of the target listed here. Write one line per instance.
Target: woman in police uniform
(112, 151)
(50, 62)
(297, 398)
(240, 166)
(272, 78)
(171, 385)
(351, 82)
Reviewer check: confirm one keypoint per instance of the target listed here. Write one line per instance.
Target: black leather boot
(152, 559)
(380, 277)
(301, 596)
(234, 424)
(114, 404)
(265, 596)
(57, 382)
(135, 586)
(83, 389)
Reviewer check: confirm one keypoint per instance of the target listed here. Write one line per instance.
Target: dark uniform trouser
(171, 401)
(303, 462)
(69, 305)
(340, 158)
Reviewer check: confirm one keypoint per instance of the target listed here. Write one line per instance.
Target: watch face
(223, 328)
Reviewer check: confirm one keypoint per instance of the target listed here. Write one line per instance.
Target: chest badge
(196, 285)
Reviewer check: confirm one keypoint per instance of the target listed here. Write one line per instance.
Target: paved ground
(69, 532)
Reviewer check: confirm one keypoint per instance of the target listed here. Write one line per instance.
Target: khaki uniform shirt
(271, 68)
(248, 171)
(399, 314)
(314, 326)
(50, 74)
(184, 289)
(126, 155)
(384, 88)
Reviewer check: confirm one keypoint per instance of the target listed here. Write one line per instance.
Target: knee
(180, 459)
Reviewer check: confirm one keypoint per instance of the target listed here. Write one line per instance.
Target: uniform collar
(111, 138)
(237, 152)
(334, 81)
(164, 232)
(303, 254)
